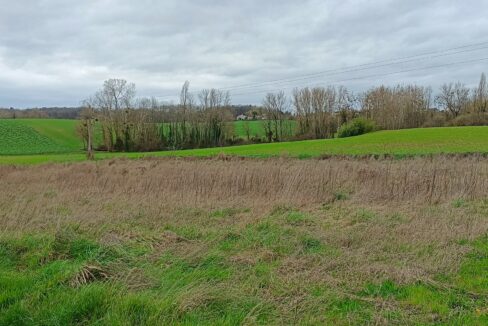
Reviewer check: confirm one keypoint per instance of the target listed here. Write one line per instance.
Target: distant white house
(241, 117)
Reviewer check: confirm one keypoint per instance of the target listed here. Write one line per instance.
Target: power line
(363, 69)
(371, 76)
(390, 61)
(355, 68)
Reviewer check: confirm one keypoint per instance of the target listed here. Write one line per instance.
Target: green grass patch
(341, 195)
(256, 128)
(397, 143)
(460, 299)
(297, 218)
(458, 203)
(208, 288)
(363, 216)
(185, 291)
(17, 137)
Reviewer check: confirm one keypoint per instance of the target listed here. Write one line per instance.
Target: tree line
(41, 113)
(127, 123)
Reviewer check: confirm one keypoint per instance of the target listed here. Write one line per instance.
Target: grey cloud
(55, 52)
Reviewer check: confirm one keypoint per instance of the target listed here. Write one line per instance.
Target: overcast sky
(58, 52)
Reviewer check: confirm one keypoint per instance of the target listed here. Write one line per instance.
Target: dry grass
(339, 224)
(31, 192)
(386, 211)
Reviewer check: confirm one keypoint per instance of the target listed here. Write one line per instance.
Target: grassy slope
(19, 138)
(255, 128)
(38, 136)
(46, 279)
(397, 142)
(63, 131)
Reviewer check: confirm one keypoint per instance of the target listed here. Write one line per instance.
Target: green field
(405, 142)
(256, 128)
(38, 136)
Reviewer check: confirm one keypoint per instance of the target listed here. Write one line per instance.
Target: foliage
(356, 127)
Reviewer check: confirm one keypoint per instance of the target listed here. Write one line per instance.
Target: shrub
(356, 127)
(471, 119)
(341, 195)
(437, 119)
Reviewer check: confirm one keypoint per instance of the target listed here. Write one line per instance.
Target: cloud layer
(55, 52)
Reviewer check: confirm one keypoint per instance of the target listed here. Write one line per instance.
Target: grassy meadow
(43, 141)
(245, 242)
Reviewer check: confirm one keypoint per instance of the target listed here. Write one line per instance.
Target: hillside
(21, 142)
(38, 136)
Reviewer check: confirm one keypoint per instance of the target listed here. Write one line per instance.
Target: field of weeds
(241, 241)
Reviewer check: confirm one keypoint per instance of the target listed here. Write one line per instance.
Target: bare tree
(247, 129)
(402, 106)
(315, 110)
(453, 98)
(116, 95)
(214, 108)
(186, 105)
(346, 103)
(302, 101)
(87, 121)
(480, 96)
(275, 106)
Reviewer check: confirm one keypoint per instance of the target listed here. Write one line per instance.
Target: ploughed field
(234, 241)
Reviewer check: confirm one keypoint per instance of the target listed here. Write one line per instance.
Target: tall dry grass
(37, 193)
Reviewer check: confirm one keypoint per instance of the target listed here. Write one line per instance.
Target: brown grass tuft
(89, 273)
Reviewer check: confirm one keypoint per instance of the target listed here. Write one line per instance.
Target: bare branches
(275, 105)
(453, 98)
(85, 129)
(316, 110)
(480, 96)
(403, 106)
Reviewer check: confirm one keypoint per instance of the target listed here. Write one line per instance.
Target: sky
(59, 52)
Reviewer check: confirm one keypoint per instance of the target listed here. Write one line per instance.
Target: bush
(437, 119)
(356, 127)
(471, 119)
